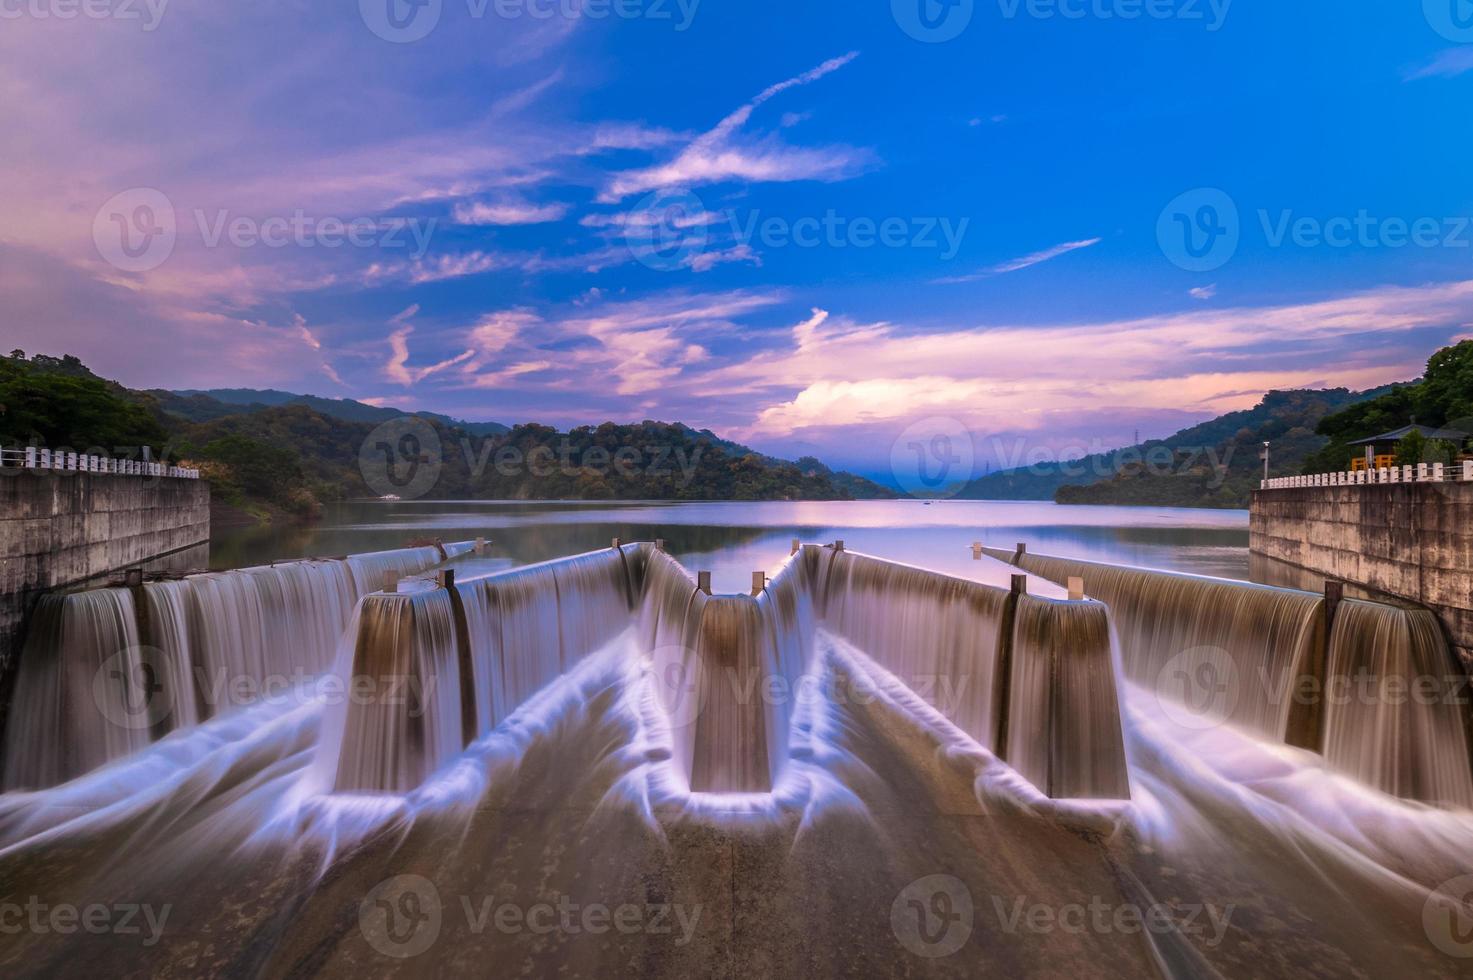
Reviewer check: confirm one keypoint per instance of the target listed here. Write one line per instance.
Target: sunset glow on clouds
(456, 224)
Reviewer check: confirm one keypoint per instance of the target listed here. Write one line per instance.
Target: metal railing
(33, 458)
(1421, 473)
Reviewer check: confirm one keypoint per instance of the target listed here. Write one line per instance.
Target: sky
(828, 227)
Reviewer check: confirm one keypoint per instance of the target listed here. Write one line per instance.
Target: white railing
(32, 458)
(1421, 473)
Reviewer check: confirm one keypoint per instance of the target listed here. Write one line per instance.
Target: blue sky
(810, 227)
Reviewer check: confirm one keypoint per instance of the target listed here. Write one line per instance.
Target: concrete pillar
(759, 582)
(703, 582)
(1076, 588)
(1002, 688)
(1468, 469)
(469, 722)
(839, 545)
(976, 551)
(391, 583)
(795, 546)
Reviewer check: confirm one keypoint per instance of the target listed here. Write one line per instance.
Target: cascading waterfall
(1064, 733)
(404, 717)
(941, 636)
(1031, 678)
(1255, 640)
(193, 648)
(669, 622)
(522, 630)
(786, 607)
(1351, 695)
(1408, 738)
(730, 751)
(727, 671)
(72, 714)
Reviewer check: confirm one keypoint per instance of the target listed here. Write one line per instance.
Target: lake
(734, 539)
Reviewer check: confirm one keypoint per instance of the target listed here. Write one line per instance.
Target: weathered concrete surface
(59, 529)
(1411, 540)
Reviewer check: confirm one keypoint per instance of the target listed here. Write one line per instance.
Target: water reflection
(733, 539)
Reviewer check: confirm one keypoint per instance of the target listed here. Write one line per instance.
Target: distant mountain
(1218, 463)
(274, 454)
(858, 487)
(1212, 464)
(205, 405)
(647, 461)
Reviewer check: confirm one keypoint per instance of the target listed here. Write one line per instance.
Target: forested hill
(202, 406)
(1213, 464)
(267, 461)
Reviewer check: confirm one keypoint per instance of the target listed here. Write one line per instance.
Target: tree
(1447, 391)
(1412, 449)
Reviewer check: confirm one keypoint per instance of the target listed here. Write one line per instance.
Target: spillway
(105, 672)
(887, 770)
(1395, 712)
(1261, 658)
(729, 671)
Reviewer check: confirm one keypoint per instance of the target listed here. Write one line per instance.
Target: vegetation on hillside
(1443, 398)
(284, 460)
(1219, 463)
(204, 406)
(1213, 464)
(57, 403)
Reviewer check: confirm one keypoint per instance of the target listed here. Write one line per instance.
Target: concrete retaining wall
(1413, 541)
(60, 529)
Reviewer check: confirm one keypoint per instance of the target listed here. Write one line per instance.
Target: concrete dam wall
(60, 529)
(1410, 540)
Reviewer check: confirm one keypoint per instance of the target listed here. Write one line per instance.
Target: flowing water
(1382, 726)
(868, 830)
(105, 671)
(1381, 697)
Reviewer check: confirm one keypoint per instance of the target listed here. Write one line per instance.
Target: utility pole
(1265, 462)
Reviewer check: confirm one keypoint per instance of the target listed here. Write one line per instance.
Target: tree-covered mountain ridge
(285, 460)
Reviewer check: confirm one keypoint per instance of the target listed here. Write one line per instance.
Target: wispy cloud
(508, 213)
(718, 155)
(397, 367)
(1024, 262)
(1448, 64)
(1203, 292)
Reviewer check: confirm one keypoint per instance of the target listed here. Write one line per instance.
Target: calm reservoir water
(734, 539)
